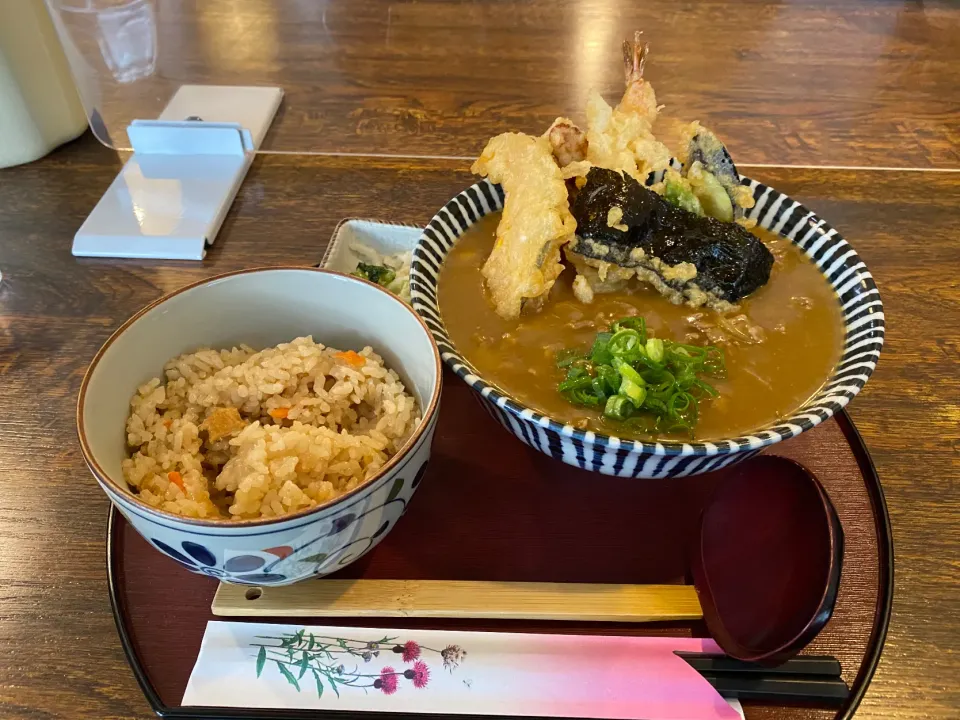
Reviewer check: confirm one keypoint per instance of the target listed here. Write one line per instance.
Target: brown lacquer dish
(510, 513)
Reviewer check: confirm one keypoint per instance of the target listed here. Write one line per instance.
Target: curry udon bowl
(262, 308)
(860, 312)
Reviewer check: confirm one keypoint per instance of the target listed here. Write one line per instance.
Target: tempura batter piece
(568, 142)
(696, 145)
(626, 231)
(536, 221)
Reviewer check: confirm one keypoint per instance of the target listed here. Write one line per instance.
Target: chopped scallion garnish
(617, 407)
(654, 348)
(652, 384)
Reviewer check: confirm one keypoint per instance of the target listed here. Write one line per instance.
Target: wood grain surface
(60, 655)
(788, 82)
(463, 599)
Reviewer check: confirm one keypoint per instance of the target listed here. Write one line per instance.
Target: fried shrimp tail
(639, 97)
(622, 138)
(536, 221)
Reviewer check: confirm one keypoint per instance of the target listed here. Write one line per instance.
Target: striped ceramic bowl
(774, 211)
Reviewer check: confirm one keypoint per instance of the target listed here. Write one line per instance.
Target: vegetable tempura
(525, 260)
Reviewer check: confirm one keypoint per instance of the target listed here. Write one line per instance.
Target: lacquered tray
(490, 508)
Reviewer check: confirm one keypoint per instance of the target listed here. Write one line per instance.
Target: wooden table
(796, 83)
(60, 651)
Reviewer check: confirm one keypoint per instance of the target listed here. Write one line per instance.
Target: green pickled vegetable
(380, 274)
(646, 383)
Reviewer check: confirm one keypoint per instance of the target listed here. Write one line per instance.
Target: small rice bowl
(242, 434)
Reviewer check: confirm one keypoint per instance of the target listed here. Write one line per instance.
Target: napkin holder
(173, 193)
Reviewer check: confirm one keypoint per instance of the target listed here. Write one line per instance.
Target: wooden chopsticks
(802, 679)
(461, 599)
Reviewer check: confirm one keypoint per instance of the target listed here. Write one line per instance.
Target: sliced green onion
(636, 393)
(607, 381)
(656, 405)
(688, 350)
(654, 348)
(582, 396)
(676, 425)
(575, 383)
(627, 372)
(716, 363)
(665, 381)
(600, 352)
(707, 388)
(680, 402)
(617, 408)
(566, 358)
(654, 383)
(626, 345)
(631, 323)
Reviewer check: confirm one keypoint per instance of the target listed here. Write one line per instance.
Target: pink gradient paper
(501, 674)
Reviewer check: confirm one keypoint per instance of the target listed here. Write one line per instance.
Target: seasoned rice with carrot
(241, 434)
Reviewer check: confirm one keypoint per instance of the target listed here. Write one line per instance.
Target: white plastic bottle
(39, 105)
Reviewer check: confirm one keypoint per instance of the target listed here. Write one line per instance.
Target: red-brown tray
(491, 508)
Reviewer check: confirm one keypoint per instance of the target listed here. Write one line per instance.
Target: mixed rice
(241, 434)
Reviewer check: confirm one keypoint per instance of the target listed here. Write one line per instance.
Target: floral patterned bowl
(263, 307)
(774, 211)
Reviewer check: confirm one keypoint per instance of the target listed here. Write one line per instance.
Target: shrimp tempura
(622, 138)
(536, 221)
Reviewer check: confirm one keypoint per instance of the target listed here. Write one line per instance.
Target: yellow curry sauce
(777, 356)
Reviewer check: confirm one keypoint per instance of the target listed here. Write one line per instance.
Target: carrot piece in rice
(351, 357)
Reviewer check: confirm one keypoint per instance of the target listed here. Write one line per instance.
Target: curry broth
(797, 313)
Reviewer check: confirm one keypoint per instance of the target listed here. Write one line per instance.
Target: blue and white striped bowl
(774, 211)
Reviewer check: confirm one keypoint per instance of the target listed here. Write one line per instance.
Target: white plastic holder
(173, 193)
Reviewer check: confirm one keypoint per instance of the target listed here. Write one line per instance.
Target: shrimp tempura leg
(536, 221)
(638, 99)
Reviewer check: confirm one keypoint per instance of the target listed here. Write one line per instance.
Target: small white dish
(383, 238)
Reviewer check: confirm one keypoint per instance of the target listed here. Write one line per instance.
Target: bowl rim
(103, 477)
(772, 211)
